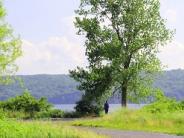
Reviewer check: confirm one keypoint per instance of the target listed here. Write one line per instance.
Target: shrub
(72, 115)
(2, 114)
(164, 105)
(181, 105)
(85, 107)
(26, 103)
(53, 113)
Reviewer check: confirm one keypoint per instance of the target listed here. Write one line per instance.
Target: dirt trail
(128, 134)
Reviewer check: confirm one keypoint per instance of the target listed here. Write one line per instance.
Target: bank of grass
(40, 129)
(140, 120)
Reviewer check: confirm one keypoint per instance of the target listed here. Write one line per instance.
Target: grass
(140, 120)
(40, 129)
(164, 116)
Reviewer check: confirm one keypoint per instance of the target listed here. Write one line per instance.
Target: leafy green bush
(72, 115)
(53, 113)
(2, 114)
(25, 103)
(16, 114)
(85, 107)
(181, 105)
(164, 105)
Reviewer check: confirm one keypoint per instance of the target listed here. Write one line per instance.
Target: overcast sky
(51, 46)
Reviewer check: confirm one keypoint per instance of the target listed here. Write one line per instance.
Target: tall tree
(10, 48)
(122, 40)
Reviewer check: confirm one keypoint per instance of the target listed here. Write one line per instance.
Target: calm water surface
(112, 107)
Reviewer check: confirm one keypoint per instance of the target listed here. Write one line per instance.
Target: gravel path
(128, 134)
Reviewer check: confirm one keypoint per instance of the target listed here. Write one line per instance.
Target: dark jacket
(106, 106)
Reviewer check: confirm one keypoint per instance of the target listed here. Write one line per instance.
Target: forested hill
(57, 88)
(172, 83)
(62, 88)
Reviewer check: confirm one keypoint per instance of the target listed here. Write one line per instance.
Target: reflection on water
(112, 107)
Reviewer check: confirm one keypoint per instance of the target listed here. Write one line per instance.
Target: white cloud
(57, 55)
(54, 56)
(172, 55)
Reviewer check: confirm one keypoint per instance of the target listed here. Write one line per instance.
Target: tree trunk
(124, 96)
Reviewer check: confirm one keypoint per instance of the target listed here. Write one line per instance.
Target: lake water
(112, 107)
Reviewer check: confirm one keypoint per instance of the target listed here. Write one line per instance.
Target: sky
(50, 44)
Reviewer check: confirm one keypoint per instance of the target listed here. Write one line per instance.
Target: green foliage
(72, 114)
(181, 104)
(94, 84)
(52, 113)
(164, 105)
(16, 114)
(84, 107)
(2, 114)
(10, 49)
(25, 103)
(122, 41)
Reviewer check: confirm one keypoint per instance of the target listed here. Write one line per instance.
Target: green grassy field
(40, 129)
(140, 120)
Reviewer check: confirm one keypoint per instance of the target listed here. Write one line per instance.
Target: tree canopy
(122, 41)
(10, 48)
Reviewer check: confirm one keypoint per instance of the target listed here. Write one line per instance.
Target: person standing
(106, 107)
